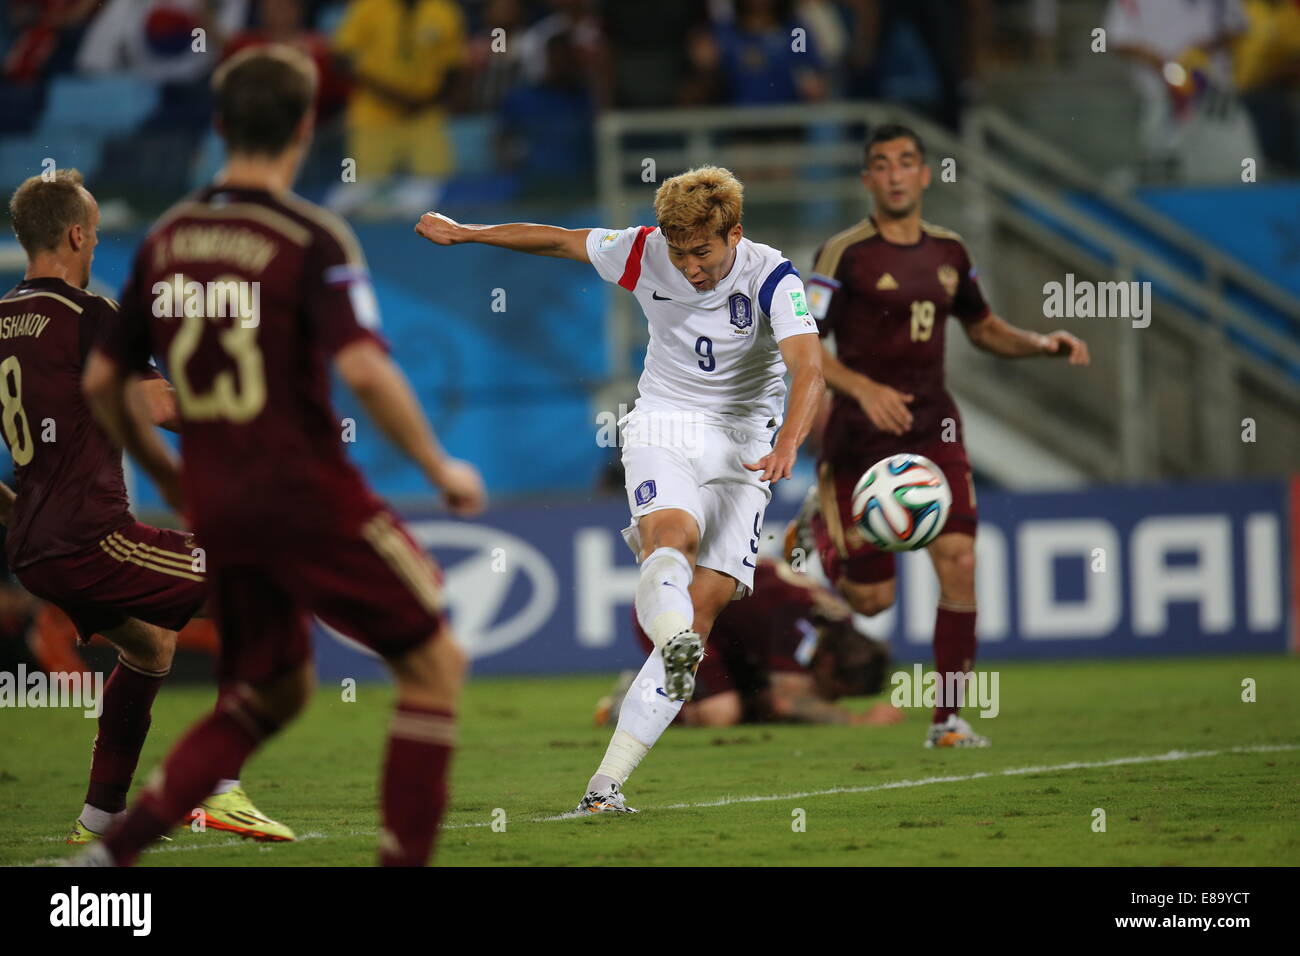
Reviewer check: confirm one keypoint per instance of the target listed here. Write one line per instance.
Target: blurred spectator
(493, 60)
(1044, 22)
(648, 64)
(760, 60)
(828, 27)
(921, 52)
(155, 39)
(177, 44)
(547, 126)
(702, 84)
(403, 57)
(574, 17)
(1267, 72)
(1192, 125)
(46, 35)
(285, 21)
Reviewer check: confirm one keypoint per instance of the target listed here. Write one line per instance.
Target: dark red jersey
(772, 621)
(67, 471)
(244, 296)
(887, 306)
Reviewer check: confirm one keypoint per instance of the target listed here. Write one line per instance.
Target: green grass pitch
(528, 746)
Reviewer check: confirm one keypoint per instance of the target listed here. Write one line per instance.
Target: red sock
(123, 725)
(954, 650)
(415, 783)
(215, 747)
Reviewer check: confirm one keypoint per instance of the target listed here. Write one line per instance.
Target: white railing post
(1136, 453)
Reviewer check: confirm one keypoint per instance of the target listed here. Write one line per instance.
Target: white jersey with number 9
(713, 353)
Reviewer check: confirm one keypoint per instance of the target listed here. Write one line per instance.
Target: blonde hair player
(706, 440)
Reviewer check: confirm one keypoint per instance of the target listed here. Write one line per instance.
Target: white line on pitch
(927, 781)
(1172, 755)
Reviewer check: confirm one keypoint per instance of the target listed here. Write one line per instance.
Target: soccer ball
(902, 502)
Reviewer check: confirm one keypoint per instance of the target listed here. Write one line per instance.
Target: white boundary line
(1170, 756)
(926, 781)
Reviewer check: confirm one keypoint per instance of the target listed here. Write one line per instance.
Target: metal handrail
(970, 153)
(1139, 255)
(1216, 261)
(997, 191)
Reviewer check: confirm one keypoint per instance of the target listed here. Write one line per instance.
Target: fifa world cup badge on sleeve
(800, 308)
(820, 290)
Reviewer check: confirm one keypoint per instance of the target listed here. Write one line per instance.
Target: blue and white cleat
(682, 654)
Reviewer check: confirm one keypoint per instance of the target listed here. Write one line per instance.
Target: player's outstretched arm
(794, 699)
(517, 236)
(803, 357)
(125, 415)
(999, 337)
(381, 387)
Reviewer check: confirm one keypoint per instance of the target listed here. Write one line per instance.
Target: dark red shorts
(372, 583)
(844, 553)
(137, 571)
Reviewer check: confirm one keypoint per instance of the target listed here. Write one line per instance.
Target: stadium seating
(99, 104)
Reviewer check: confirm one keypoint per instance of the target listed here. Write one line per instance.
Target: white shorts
(700, 470)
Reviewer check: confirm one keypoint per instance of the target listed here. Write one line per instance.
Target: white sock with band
(642, 719)
(663, 597)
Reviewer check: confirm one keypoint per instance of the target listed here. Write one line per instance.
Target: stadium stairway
(1222, 349)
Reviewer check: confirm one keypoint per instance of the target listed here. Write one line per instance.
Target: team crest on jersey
(645, 493)
(948, 279)
(742, 312)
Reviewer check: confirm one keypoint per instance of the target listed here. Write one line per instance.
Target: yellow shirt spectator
(401, 52)
(1270, 51)
(407, 46)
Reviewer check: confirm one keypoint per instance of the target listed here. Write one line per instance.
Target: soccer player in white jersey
(705, 440)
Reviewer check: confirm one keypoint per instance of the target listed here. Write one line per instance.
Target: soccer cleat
(604, 801)
(682, 654)
(82, 834)
(233, 812)
(954, 732)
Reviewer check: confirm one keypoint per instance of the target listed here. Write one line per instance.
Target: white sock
(96, 820)
(663, 597)
(644, 716)
(224, 786)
